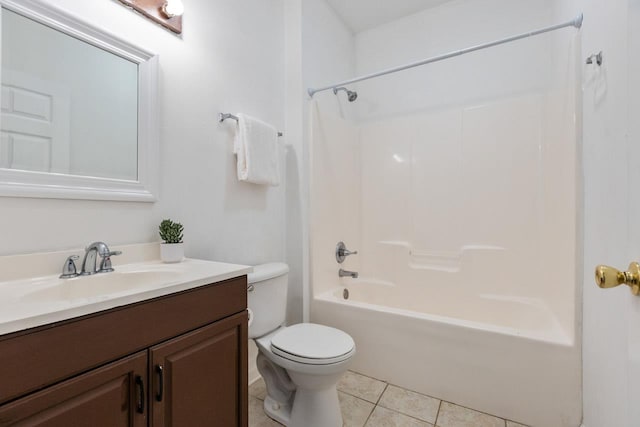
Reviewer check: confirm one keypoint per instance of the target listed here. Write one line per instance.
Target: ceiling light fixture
(173, 8)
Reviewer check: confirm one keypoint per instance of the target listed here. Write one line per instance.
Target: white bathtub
(510, 357)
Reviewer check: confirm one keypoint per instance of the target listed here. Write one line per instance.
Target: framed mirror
(78, 112)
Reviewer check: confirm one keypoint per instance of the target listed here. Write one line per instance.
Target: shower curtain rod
(576, 22)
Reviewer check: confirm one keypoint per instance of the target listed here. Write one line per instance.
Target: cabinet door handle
(160, 373)
(141, 399)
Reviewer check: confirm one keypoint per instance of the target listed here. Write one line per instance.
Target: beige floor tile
(514, 424)
(410, 403)
(451, 415)
(361, 386)
(354, 411)
(258, 389)
(257, 417)
(382, 417)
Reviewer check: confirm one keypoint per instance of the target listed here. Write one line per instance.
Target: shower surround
(458, 186)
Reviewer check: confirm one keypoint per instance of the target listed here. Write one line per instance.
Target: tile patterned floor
(367, 402)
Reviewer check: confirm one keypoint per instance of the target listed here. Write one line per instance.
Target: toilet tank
(267, 298)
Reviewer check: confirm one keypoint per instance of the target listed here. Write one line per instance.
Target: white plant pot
(171, 252)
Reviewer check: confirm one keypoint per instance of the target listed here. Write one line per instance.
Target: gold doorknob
(609, 277)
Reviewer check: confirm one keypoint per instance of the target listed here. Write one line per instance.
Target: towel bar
(224, 116)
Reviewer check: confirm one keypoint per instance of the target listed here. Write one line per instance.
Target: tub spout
(345, 273)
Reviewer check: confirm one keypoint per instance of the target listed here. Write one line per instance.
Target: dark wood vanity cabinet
(110, 396)
(178, 360)
(195, 377)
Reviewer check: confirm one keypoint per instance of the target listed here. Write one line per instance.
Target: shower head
(351, 95)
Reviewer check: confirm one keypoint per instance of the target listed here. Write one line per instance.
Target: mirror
(77, 112)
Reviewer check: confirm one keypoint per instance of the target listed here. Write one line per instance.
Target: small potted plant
(172, 250)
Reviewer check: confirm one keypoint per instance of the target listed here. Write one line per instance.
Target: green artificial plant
(171, 232)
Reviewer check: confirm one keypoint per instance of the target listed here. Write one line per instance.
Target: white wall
(297, 201)
(506, 70)
(328, 53)
(230, 58)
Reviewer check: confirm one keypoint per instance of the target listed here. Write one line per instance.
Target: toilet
(301, 364)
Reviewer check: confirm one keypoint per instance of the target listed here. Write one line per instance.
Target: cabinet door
(111, 396)
(200, 378)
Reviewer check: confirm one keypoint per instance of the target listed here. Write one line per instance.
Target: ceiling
(360, 15)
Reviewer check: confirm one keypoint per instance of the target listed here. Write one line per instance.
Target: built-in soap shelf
(447, 261)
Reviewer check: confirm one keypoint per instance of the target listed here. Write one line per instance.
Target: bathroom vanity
(174, 355)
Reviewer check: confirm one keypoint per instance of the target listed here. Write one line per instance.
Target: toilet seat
(313, 344)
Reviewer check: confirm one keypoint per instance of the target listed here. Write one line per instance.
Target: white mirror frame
(16, 183)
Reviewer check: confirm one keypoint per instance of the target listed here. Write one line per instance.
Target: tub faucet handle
(342, 252)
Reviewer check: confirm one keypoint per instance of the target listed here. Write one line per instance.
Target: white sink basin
(31, 302)
(101, 284)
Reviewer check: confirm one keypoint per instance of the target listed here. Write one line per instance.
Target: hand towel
(256, 149)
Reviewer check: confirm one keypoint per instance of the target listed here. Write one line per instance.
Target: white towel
(256, 148)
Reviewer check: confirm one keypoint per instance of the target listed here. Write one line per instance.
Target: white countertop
(29, 302)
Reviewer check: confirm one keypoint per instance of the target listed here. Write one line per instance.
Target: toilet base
(311, 408)
(301, 399)
(316, 408)
(276, 411)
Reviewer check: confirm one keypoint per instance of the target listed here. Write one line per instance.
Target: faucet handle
(342, 252)
(105, 264)
(69, 268)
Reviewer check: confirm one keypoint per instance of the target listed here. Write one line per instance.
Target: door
(36, 124)
(111, 396)
(633, 304)
(200, 378)
(611, 151)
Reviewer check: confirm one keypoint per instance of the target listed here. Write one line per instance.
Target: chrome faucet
(345, 273)
(91, 255)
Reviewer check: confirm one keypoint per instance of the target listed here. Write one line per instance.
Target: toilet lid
(313, 344)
